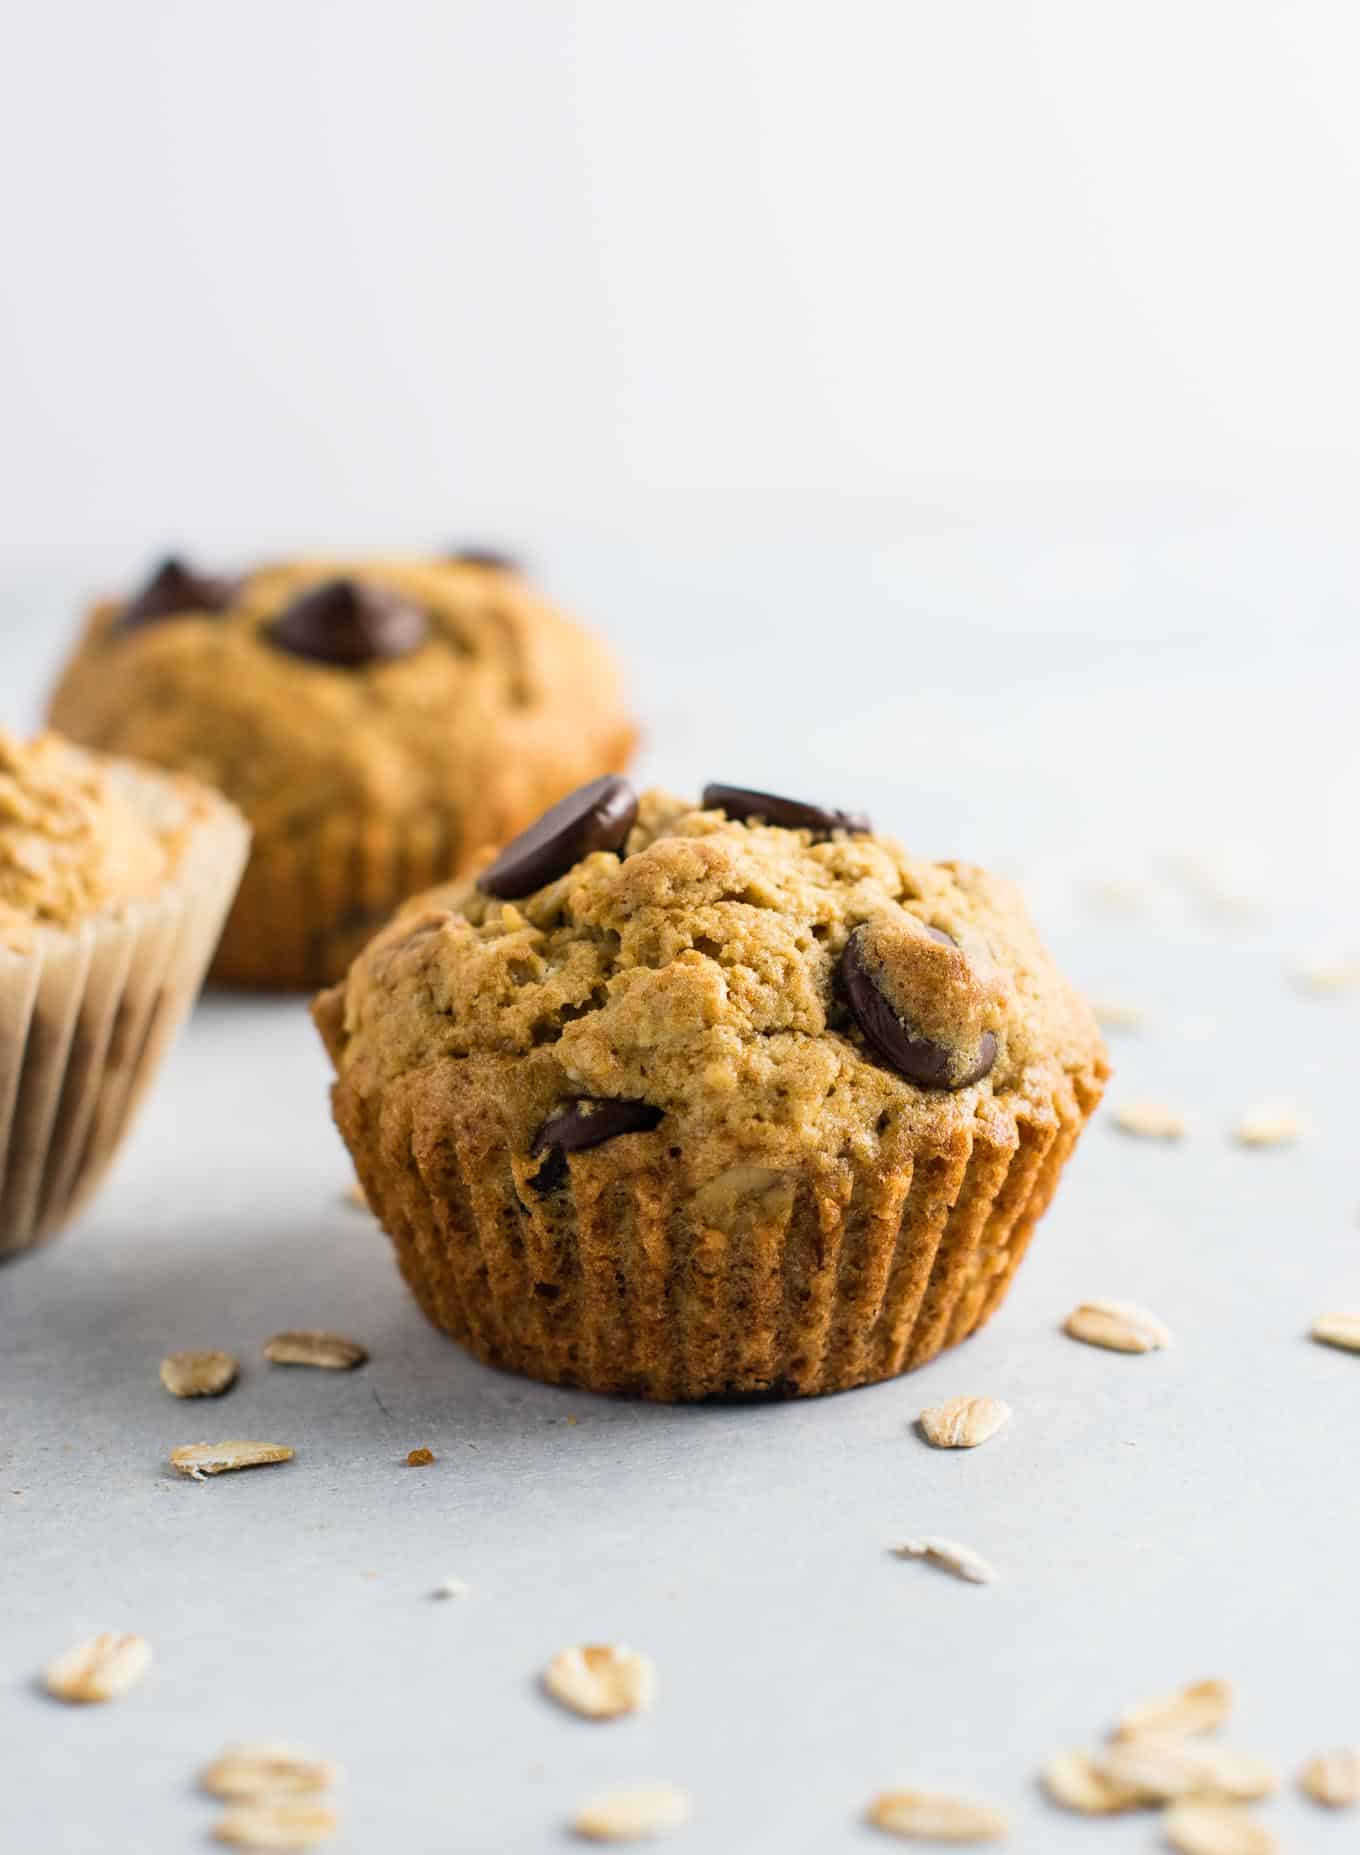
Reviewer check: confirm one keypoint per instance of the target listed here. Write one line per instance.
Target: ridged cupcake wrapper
(836, 1277)
(307, 907)
(84, 1020)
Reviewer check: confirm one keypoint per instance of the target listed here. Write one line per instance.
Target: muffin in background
(378, 722)
(719, 1100)
(115, 880)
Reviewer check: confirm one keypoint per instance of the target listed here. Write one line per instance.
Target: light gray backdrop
(282, 272)
(1153, 1520)
(947, 411)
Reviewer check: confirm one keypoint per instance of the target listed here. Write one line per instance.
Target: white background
(328, 270)
(946, 409)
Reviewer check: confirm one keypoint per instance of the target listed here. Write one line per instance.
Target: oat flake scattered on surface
(452, 1587)
(601, 1681)
(925, 1816)
(950, 1556)
(332, 1352)
(1271, 1124)
(1202, 1827)
(102, 1668)
(1212, 883)
(267, 1770)
(1119, 893)
(199, 1459)
(1333, 1778)
(633, 1813)
(1341, 1330)
(1197, 1708)
(1118, 1326)
(1118, 1014)
(1072, 1780)
(277, 1826)
(963, 1423)
(1163, 1768)
(420, 1458)
(1151, 1120)
(198, 1375)
(1329, 978)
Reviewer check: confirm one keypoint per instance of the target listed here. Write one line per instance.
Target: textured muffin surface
(72, 839)
(363, 780)
(698, 973)
(793, 1172)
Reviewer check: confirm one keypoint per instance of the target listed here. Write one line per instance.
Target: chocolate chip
(597, 816)
(174, 591)
(581, 1124)
(986, 1056)
(348, 623)
(919, 1059)
(742, 803)
(489, 557)
(551, 1174)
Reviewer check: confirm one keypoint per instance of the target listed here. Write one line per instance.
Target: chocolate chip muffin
(379, 722)
(114, 883)
(710, 1101)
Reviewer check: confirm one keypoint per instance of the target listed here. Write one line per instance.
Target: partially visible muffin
(114, 883)
(379, 722)
(719, 1100)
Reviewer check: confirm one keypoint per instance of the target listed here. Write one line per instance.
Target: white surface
(286, 271)
(1153, 1519)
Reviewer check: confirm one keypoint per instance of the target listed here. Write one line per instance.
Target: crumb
(420, 1458)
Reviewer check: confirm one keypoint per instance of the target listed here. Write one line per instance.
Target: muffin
(114, 883)
(378, 723)
(720, 1101)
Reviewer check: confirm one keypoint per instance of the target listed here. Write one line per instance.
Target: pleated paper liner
(761, 1284)
(308, 906)
(85, 1018)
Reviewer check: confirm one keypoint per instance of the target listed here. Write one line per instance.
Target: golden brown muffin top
(705, 971)
(73, 841)
(423, 681)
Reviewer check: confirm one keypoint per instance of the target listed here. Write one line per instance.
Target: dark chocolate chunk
(581, 1124)
(552, 1173)
(597, 816)
(794, 814)
(986, 1056)
(174, 591)
(348, 623)
(919, 1059)
(489, 557)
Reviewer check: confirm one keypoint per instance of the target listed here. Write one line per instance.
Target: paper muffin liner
(761, 1283)
(86, 1015)
(308, 905)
